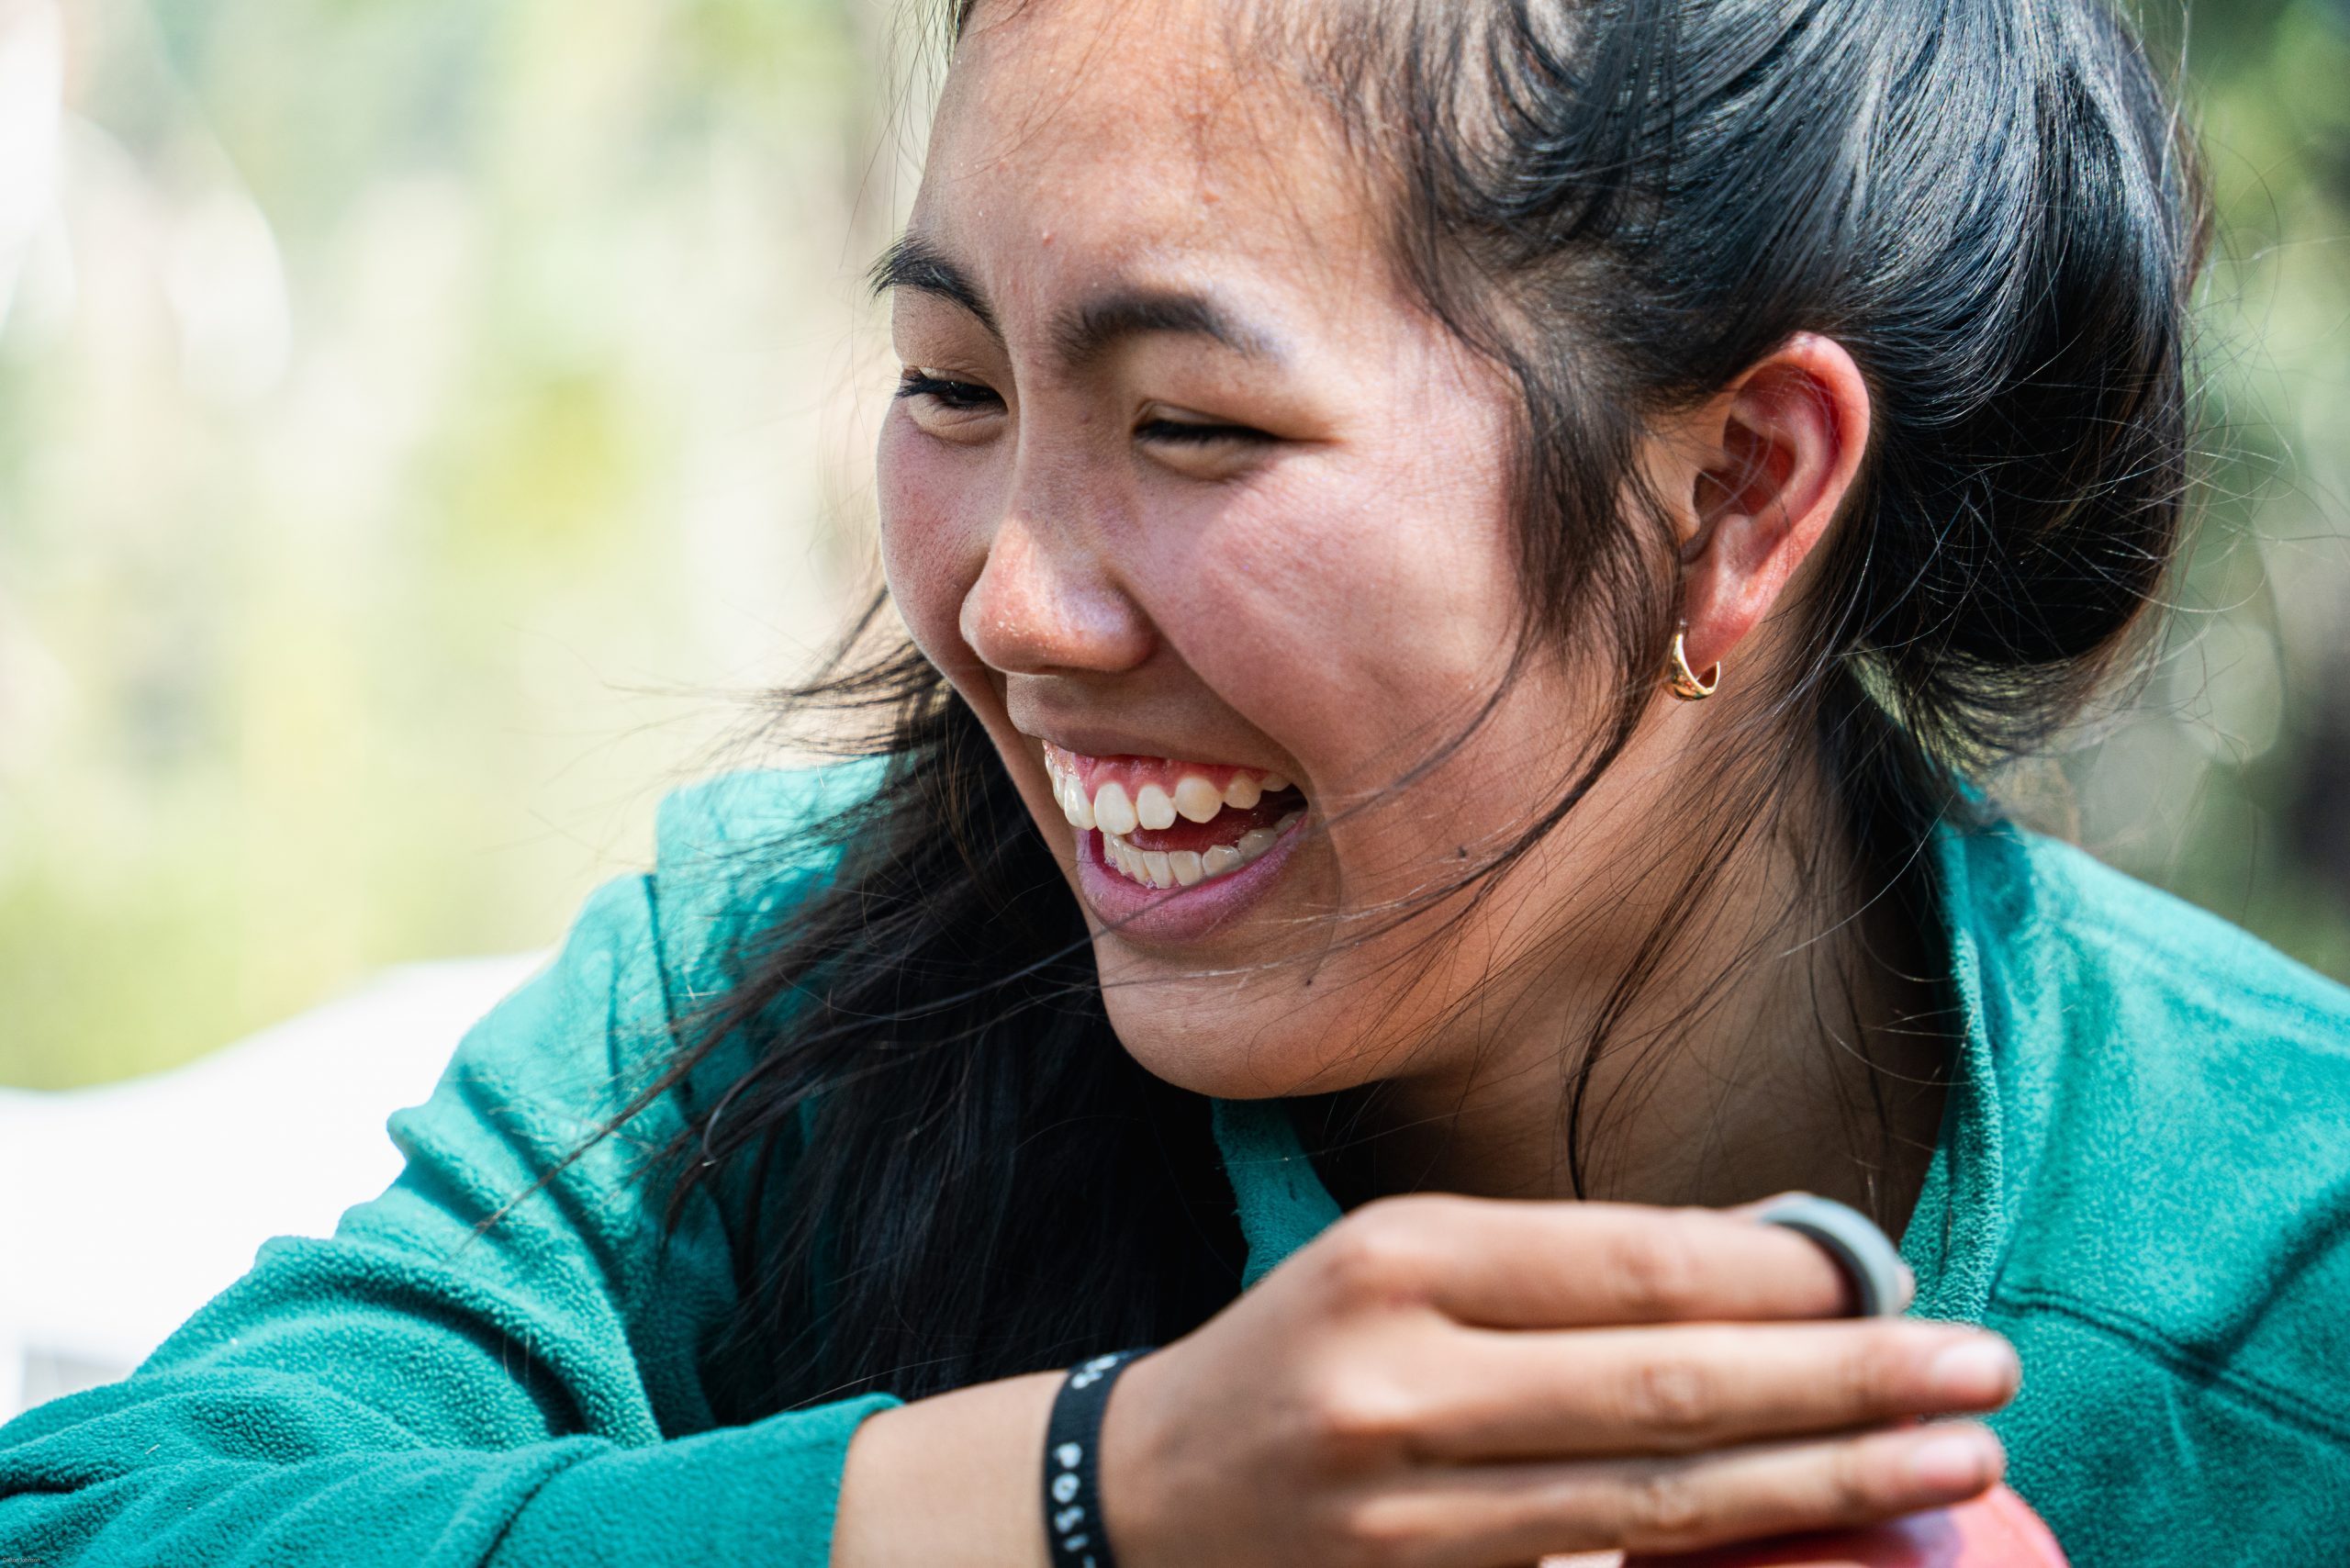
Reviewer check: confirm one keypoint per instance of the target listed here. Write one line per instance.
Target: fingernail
(1953, 1464)
(1908, 1287)
(1980, 1370)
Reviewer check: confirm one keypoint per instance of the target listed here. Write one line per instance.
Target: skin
(1325, 587)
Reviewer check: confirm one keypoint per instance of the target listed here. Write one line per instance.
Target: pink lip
(1175, 916)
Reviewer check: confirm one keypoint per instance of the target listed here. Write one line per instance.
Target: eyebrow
(913, 262)
(1085, 333)
(1101, 324)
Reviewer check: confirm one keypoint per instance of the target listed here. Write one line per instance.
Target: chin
(1192, 1032)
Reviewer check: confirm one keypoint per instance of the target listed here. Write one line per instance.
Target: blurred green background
(421, 421)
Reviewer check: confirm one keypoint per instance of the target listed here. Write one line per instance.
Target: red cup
(1997, 1529)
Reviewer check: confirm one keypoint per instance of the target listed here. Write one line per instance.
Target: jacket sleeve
(470, 1371)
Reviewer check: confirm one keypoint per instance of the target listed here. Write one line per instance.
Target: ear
(1776, 453)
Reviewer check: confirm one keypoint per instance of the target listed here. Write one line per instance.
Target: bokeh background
(424, 422)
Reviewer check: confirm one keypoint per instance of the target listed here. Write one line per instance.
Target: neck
(1774, 1044)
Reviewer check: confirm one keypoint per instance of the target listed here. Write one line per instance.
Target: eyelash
(959, 395)
(963, 395)
(1177, 432)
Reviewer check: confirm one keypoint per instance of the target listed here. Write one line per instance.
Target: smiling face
(1209, 522)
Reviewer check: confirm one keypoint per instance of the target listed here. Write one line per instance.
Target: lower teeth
(1184, 867)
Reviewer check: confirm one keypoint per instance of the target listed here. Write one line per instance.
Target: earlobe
(1785, 444)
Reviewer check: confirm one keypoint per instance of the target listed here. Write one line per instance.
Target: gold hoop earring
(1684, 681)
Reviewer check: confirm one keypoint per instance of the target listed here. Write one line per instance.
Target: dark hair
(1624, 204)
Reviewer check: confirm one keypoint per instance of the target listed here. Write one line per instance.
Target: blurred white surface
(125, 1208)
(32, 103)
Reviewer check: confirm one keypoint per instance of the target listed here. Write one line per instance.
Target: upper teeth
(1152, 805)
(1196, 800)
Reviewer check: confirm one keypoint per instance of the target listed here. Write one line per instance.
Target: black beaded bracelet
(1073, 1531)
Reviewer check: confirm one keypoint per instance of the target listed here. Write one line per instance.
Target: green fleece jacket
(2143, 1180)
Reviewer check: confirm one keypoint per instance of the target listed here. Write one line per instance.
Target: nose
(1042, 606)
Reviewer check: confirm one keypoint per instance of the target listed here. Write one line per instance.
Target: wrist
(1132, 1463)
(948, 1479)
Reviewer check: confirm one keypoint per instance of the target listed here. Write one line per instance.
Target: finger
(1882, 1283)
(1531, 1395)
(1477, 1515)
(1518, 1265)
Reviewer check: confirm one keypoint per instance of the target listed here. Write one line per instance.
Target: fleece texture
(2143, 1179)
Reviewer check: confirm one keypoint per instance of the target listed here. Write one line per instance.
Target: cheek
(932, 545)
(1348, 606)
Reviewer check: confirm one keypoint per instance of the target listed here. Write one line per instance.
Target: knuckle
(1657, 1271)
(1377, 1254)
(1675, 1400)
(1870, 1375)
(1373, 1532)
(1662, 1509)
(1349, 1421)
(1853, 1495)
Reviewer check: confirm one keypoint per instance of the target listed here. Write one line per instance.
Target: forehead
(1159, 135)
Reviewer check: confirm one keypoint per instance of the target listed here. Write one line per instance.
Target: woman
(1465, 565)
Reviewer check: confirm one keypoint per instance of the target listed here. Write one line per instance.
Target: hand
(1462, 1384)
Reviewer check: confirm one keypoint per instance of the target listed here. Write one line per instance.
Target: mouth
(1166, 823)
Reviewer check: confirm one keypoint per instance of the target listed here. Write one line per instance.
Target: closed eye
(947, 392)
(1188, 432)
